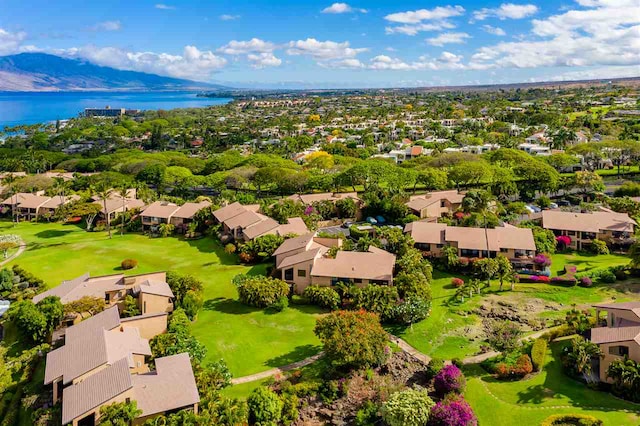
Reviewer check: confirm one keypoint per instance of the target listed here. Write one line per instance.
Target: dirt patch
(525, 312)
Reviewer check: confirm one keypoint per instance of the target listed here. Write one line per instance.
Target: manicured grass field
(249, 340)
(585, 261)
(528, 402)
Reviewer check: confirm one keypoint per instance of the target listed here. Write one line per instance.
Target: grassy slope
(528, 402)
(249, 340)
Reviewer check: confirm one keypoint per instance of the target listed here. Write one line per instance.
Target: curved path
(402, 344)
(277, 370)
(21, 248)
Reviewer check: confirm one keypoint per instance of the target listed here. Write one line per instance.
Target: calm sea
(30, 108)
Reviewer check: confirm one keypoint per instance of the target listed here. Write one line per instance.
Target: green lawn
(585, 261)
(249, 340)
(528, 402)
(445, 332)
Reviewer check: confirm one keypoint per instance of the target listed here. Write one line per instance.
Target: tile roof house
(117, 204)
(309, 199)
(30, 206)
(582, 228)
(619, 338)
(103, 361)
(301, 261)
(151, 290)
(435, 204)
(517, 244)
(157, 213)
(244, 223)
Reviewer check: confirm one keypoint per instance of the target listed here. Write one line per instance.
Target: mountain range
(41, 72)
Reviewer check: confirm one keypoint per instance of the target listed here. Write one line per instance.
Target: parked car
(346, 224)
(529, 209)
(553, 206)
(380, 219)
(563, 203)
(535, 209)
(371, 220)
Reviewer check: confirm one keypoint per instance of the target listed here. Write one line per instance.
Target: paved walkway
(21, 248)
(276, 371)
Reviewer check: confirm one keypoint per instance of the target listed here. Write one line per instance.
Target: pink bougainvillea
(542, 260)
(449, 379)
(563, 240)
(453, 411)
(457, 282)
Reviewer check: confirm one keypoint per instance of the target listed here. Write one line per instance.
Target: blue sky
(323, 44)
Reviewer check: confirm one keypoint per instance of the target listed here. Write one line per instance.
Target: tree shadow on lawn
(39, 246)
(228, 306)
(298, 354)
(209, 245)
(53, 233)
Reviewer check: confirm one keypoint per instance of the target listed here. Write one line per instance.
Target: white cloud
(263, 60)
(192, 63)
(107, 26)
(350, 63)
(596, 73)
(227, 17)
(255, 45)
(494, 30)
(163, 6)
(415, 21)
(337, 8)
(607, 34)
(10, 42)
(506, 11)
(446, 61)
(448, 38)
(323, 50)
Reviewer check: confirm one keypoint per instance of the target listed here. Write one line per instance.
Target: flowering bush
(521, 368)
(570, 269)
(536, 279)
(563, 241)
(463, 262)
(457, 282)
(542, 260)
(586, 282)
(449, 379)
(453, 411)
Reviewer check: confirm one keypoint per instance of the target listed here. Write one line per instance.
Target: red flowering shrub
(563, 241)
(463, 262)
(542, 260)
(457, 282)
(449, 379)
(586, 282)
(521, 368)
(453, 411)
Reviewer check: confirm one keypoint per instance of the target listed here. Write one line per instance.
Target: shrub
(538, 353)
(289, 408)
(508, 369)
(598, 247)
(265, 407)
(379, 299)
(409, 407)
(367, 415)
(281, 304)
(586, 282)
(457, 282)
(325, 297)
(352, 338)
(563, 241)
(449, 379)
(607, 277)
(571, 419)
(434, 367)
(502, 335)
(411, 310)
(543, 260)
(128, 264)
(260, 291)
(568, 280)
(453, 411)
(230, 248)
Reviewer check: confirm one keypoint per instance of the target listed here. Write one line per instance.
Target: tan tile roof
(294, 225)
(615, 334)
(243, 220)
(625, 306)
(267, 226)
(171, 386)
(301, 257)
(115, 204)
(92, 343)
(229, 211)
(95, 390)
(426, 232)
(326, 196)
(419, 202)
(57, 201)
(587, 222)
(160, 288)
(295, 243)
(371, 265)
(161, 209)
(84, 285)
(187, 210)
(26, 200)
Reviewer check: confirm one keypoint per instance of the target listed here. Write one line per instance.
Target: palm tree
(103, 190)
(580, 354)
(122, 190)
(478, 201)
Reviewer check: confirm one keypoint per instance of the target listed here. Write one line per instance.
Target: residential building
(517, 244)
(184, 215)
(435, 204)
(303, 261)
(104, 361)
(244, 223)
(116, 204)
(104, 112)
(151, 291)
(620, 337)
(156, 214)
(582, 228)
(27, 206)
(309, 199)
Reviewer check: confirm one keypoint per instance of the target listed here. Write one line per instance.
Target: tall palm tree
(479, 201)
(122, 190)
(103, 190)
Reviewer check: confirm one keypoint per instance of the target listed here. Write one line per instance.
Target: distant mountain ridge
(41, 72)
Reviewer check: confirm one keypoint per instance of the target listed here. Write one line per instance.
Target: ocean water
(31, 108)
